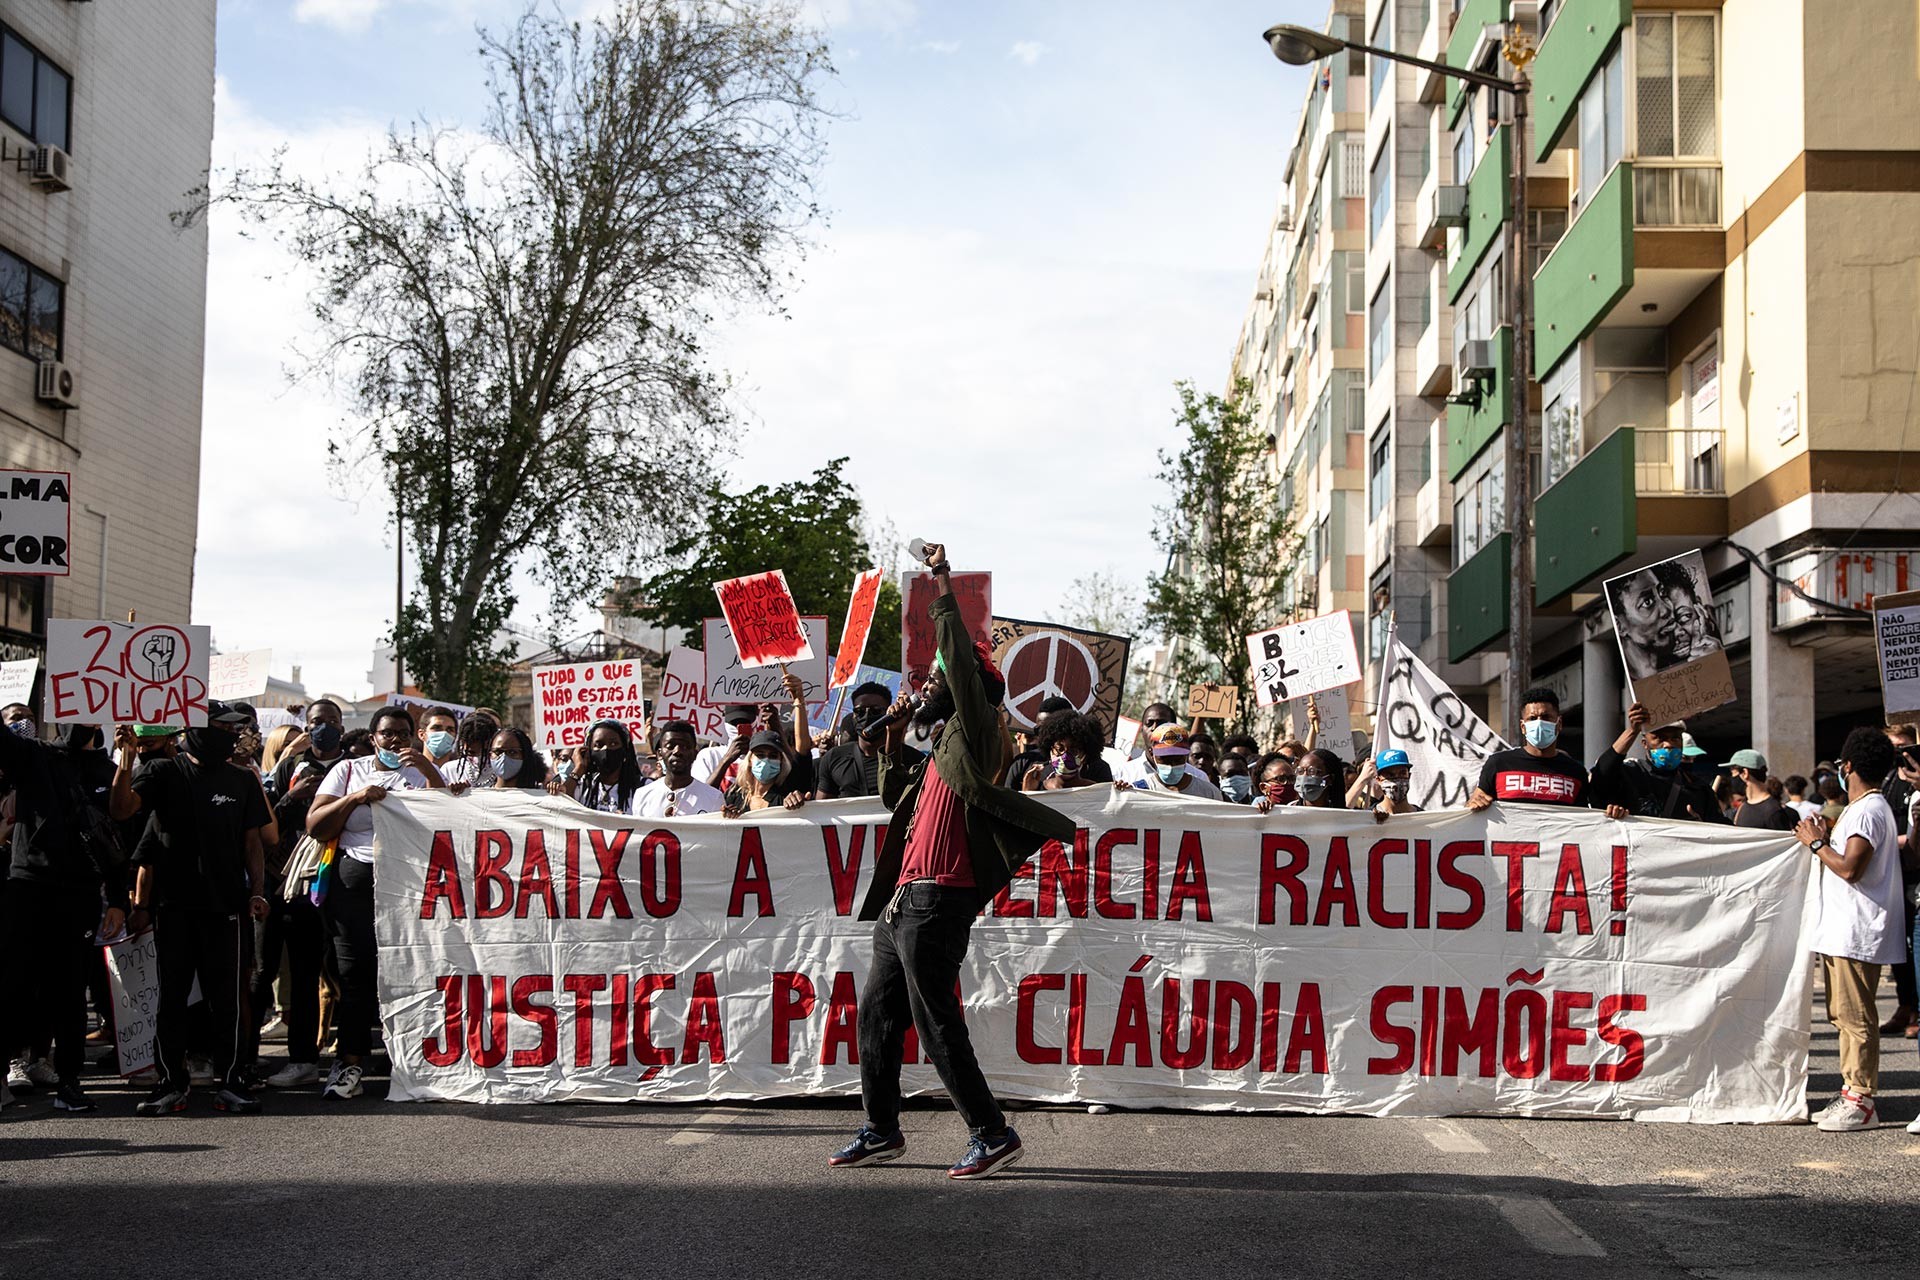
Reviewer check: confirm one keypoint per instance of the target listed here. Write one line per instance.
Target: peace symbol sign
(1047, 664)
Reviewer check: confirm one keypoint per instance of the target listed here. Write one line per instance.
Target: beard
(935, 707)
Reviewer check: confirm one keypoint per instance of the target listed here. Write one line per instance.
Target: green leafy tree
(1229, 539)
(1103, 601)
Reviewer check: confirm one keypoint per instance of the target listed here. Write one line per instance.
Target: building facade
(106, 125)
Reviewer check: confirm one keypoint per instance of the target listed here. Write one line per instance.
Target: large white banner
(1445, 742)
(1526, 961)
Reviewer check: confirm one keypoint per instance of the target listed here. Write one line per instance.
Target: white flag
(1445, 741)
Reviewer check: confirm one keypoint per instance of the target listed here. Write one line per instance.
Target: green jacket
(1004, 827)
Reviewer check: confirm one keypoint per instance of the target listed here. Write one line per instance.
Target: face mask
(1541, 733)
(603, 759)
(1394, 791)
(1066, 763)
(211, 746)
(1282, 792)
(439, 744)
(564, 770)
(864, 716)
(1312, 786)
(388, 759)
(1664, 759)
(325, 737)
(1171, 773)
(1238, 788)
(506, 766)
(24, 729)
(765, 770)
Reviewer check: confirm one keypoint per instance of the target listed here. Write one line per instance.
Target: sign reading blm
(1303, 657)
(36, 522)
(123, 673)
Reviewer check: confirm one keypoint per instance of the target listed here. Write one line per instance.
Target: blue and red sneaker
(987, 1156)
(869, 1146)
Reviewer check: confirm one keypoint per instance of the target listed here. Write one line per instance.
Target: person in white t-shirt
(677, 794)
(1165, 768)
(1859, 923)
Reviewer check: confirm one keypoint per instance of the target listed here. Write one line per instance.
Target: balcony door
(1703, 418)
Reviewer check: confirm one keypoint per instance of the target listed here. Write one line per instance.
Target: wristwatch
(1819, 843)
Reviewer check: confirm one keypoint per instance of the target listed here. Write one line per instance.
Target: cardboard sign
(683, 696)
(729, 678)
(764, 622)
(1125, 734)
(567, 699)
(36, 523)
(238, 676)
(133, 979)
(1212, 701)
(918, 644)
(16, 680)
(1303, 657)
(126, 673)
(1044, 660)
(1336, 723)
(853, 636)
(1896, 637)
(1669, 634)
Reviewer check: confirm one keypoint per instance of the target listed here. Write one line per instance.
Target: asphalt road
(371, 1189)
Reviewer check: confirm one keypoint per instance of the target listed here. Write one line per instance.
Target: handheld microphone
(878, 729)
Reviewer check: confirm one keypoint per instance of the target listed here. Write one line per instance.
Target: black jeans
(49, 946)
(296, 927)
(211, 946)
(918, 947)
(348, 912)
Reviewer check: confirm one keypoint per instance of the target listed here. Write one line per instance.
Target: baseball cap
(1391, 758)
(765, 738)
(1169, 740)
(740, 713)
(1748, 759)
(155, 730)
(1689, 749)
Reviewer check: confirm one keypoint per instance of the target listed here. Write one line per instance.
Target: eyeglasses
(391, 735)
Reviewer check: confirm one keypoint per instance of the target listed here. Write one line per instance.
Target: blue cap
(1391, 758)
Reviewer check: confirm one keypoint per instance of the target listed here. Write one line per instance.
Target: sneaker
(1913, 1125)
(201, 1069)
(1853, 1112)
(17, 1078)
(987, 1156)
(236, 1100)
(869, 1146)
(294, 1075)
(1903, 1017)
(165, 1100)
(42, 1074)
(275, 1029)
(343, 1081)
(68, 1097)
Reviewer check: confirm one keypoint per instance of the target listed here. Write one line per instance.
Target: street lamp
(1301, 46)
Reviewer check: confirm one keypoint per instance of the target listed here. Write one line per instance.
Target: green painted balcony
(1469, 429)
(1466, 33)
(1489, 200)
(1478, 596)
(1573, 49)
(1589, 271)
(1587, 521)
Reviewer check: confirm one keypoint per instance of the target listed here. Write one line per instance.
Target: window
(1356, 406)
(1677, 109)
(1353, 159)
(34, 93)
(1561, 426)
(1356, 284)
(1382, 39)
(1377, 332)
(1379, 198)
(1547, 226)
(1602, 131)
(1378, 475)
(32, 309)
(1323, 542)
(1480, 503)
(1463, 141)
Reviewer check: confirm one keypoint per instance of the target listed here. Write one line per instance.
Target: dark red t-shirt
(937, 841)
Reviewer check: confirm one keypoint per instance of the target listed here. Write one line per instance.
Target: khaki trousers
(1852, 1010)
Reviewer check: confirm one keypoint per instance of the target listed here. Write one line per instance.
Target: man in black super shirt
(202, 875)
(1539, 772)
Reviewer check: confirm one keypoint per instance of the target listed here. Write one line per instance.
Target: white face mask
(1541, 733)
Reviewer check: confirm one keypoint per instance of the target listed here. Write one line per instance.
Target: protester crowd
(252, 856)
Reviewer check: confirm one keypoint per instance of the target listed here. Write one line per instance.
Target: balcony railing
(1666, 460)
(1675, 195)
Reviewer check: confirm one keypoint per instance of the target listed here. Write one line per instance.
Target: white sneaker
(201, 1069)
(42, 1074)
(294, 1075)
(1853, 1112)
(17, 1077)
(1913, 1125)
(275, 1029)
(343, 1082)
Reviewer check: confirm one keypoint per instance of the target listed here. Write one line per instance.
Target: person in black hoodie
(65, 867)
(1659, 788)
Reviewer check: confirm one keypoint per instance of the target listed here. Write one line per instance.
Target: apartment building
(106, 123)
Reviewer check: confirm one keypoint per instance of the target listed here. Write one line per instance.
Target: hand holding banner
(765, 624)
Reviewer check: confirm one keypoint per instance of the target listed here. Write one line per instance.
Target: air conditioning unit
(51, 168)
(1450, 205)
(57, 386)
(1476, 361)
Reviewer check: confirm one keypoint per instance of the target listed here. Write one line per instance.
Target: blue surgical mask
(765, 770)
(1664, 759)
(1541, 733)
(506, 766)
(440, 744)
(1237, 788)
(1171, 773)
(388, 759)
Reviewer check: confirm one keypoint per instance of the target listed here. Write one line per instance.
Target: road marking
(1445, 1135)
(1820, 1166)
(703, 1126)
(1546, 1228)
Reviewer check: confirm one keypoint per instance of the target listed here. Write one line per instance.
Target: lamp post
(1303, 45)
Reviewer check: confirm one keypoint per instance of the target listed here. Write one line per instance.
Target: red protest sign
(853, 636)
(918, 644)
(760, 613)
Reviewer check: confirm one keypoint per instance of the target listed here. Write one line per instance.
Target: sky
(1039, 217)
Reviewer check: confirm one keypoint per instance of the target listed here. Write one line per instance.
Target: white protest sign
(731, 680)
(133, 979)
(235, 677)
(36, 523)
(1896, 637)
(420, 705)
(1445, 742)
(1126, 733)
(16, 680)
(1336, 722)
(1303, 657)
(568, 699)
(126, 673)
(683, 696)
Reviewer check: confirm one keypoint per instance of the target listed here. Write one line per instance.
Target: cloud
(937, 46)
(1026, 51)
(342, 15)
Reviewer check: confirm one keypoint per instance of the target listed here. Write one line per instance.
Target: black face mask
(864, 716)
(210, 745)
(603, 759)
(325, 736)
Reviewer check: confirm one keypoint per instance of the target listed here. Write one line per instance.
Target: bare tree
(517, 314)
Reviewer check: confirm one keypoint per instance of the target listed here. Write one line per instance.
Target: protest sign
(1527, 961)
(1445, 742)
(918, 644)
(853, 636)
(1303, 657)
(123, 673)
(36, 523)
(419, 706)
(1336, 723)
(820, 715)
(683, 696)
(567, 699)
(730, 679)
(761, 616)
(1044, 660)
(235, 677)
(1669, 637)
(1126, 734)
(1213, 701)
(16, 680)
(1896, 638)
(133, 982)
